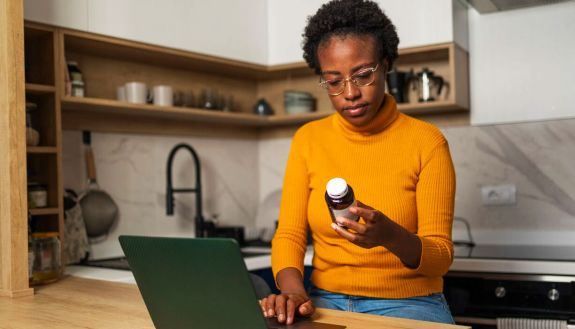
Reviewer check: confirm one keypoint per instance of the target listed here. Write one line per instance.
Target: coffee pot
(428, 85)
(398, 84)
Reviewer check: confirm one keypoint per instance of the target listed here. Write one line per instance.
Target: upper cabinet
(522, 68)
(71, 14)
(266, 32)
(238, 32)
(418, 22)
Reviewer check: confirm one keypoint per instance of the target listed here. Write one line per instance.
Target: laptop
(198, 283)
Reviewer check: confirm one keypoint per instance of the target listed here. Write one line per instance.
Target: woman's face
(340, 58)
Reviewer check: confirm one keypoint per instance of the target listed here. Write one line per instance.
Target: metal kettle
(428, 85)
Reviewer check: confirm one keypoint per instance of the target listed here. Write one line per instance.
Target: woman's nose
(351, 91)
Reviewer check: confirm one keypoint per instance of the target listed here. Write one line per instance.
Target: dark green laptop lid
(193, 283)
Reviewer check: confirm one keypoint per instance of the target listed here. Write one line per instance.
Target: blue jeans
(427, 308)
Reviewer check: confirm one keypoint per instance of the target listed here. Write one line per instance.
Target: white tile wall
(242, 180)
(132, 169)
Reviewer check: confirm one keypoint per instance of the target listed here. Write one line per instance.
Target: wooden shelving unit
(108, 62)
(113, 107)
(447, 60)
(44, 211)
(43, 163)
(39, 89)
(42, 150)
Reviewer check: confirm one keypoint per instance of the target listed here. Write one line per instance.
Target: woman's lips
(356, 110)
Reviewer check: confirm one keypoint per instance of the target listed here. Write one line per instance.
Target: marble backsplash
(242, 181)
(538, 158)
(132, 169)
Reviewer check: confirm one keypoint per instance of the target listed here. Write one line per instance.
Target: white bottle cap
(336, 187)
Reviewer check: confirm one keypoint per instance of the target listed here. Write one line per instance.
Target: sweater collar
(384, 117)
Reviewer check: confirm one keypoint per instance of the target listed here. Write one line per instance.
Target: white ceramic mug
(163, 95)
(136, 92)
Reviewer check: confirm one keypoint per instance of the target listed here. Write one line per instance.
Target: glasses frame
(323, 83)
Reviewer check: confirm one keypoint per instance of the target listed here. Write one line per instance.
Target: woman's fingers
(263, 305)
(280, 308)
(306, 308)
(270, 305)
(351, 224)
(284, 307)
(351, 237)
(290, 311)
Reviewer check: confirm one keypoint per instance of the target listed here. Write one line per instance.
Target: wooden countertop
(84, 303)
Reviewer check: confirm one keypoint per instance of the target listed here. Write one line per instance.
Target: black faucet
(199, 219)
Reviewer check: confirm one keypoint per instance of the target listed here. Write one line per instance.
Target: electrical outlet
(499, 195)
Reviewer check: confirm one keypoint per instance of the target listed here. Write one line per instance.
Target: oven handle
(487, 321)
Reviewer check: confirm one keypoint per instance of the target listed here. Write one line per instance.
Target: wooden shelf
(41, 150)
(38, 89)
(76, 104)
(44, 211)
(429, 107)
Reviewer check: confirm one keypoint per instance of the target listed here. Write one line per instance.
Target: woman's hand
(285, 306)
(379, 230)
(371, 234)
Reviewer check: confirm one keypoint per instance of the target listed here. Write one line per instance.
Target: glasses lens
(333, 86)
(363, 78)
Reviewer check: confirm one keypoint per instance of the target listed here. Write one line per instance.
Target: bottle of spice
(47, 264)
(76, 79)
(37, 195)
(339, 198)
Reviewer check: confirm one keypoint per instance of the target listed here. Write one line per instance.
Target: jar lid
(336, 187)
(43, 235)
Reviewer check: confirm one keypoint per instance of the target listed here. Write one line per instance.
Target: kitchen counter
(252, 263)
(460, 264)
(84, 303)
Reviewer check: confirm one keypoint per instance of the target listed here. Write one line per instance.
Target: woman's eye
(362, 75)
(333, 83)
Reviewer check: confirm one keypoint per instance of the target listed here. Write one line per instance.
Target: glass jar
(37, 195)
(77, 87)
(47, 264)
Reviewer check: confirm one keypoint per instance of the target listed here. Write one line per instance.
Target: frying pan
(99, 210)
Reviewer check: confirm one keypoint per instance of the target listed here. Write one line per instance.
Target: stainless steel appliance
(428, 85)
(479, 298)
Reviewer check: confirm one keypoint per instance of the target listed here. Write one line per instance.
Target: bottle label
(345, 212)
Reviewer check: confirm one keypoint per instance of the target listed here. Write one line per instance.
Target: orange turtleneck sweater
(396, 164)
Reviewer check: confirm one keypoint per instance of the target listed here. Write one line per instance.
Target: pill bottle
(339, 198)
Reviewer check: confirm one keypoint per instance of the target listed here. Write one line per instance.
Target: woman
(392, 261)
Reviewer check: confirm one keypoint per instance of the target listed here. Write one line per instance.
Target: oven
(480, 298)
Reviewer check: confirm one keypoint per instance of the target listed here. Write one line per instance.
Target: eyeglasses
(361, 78)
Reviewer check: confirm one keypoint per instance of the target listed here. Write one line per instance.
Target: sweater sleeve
(435, 197)
(290, 240)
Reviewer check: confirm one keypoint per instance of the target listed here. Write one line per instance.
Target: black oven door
(491, 296)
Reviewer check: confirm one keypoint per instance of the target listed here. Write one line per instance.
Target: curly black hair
(349, 17)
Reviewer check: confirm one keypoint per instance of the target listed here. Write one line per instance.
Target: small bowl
(298, 102)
